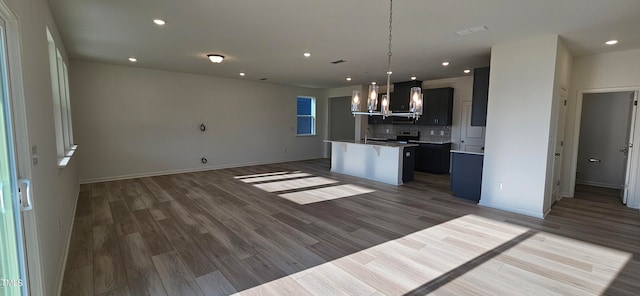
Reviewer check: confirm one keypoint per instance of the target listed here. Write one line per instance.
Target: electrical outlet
(442, 133)
(433, 132)
(387, 131)
(500, 185)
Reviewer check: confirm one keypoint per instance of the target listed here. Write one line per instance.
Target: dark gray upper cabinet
(400, 97)
(438, 107)
(480, 96)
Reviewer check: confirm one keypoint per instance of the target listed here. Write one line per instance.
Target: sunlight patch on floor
(275, 177)
(463, 256)
(297, 180)
(260, 175)
(295, 184)
(323, 194)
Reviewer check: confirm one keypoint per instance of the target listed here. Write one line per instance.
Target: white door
(13, 272)
(559, 145)
(471, 137)
(628, 151)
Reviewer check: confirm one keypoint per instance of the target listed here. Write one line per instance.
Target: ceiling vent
(472, 30)
(338, 62)
(264, 78)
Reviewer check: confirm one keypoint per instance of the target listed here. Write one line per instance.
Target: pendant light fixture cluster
(415, 97)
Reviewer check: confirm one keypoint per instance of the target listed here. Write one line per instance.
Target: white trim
(63, 258)
(534, 214)
(182, 171)
(22, 149)
(633, 201)
(599, 184)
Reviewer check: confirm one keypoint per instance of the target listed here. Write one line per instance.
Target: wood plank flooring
(298, 229)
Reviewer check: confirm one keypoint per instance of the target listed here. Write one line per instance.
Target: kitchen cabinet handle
(594, 160)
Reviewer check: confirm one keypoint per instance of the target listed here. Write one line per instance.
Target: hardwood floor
(298, 229)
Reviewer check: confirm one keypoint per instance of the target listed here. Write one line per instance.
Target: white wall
(133, 121)
(462, 91)
(518, 125)
(602, 72)
(54, 190)
(562, 78)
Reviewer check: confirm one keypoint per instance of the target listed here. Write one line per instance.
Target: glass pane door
(12, 273)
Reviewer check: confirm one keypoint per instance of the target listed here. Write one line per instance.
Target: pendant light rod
(415, 99)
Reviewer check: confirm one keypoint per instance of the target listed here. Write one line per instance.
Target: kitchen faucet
(366, 134)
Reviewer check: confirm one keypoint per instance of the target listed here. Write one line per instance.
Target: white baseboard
(63, 264)
(514, 210)
(182, 171)
(599, 184)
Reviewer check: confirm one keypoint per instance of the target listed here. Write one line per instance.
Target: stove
(405, 136)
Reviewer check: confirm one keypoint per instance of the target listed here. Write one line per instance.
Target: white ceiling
(266, 39)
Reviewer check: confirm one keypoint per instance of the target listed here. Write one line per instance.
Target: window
(306, 116)
(61, 104)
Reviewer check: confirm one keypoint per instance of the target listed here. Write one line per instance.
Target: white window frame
(65, 147)
(312, 116)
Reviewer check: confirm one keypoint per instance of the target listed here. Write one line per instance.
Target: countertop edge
(467, 152)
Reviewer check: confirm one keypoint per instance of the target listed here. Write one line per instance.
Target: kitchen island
(374, 160)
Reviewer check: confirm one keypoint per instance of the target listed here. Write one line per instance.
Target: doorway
(471, 137)
(603, 156)
(341, 121)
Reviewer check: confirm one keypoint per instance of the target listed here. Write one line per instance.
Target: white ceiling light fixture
(307, 54)
(611, 42)
(414, 78)
(159, 22)
(348, 78)
(467, 71)
(215, 58)
(133, 60)
(415, 95)
(242, 74)
(445, 64)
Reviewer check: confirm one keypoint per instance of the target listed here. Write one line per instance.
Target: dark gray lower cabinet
(433, 158)
(466, 175)
(408, 163)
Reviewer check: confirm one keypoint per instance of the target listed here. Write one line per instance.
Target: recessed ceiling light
(373, 82)
(215, 58)
(159, 22)
(414, 78)
(348, 78)
(306, 54)
(242, 74)
(467, 71)
(445, 64)
(611, 42)
(133, 60)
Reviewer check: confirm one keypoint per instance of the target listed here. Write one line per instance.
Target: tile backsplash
(427, 133)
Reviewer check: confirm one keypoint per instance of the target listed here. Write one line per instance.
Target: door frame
(634, 154)
(22, 146)
(463, 127)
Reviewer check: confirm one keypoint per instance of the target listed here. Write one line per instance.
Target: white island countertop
(467, 152)
(376, 143)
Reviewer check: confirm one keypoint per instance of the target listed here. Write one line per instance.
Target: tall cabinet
(480, 96)
(438, 107)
